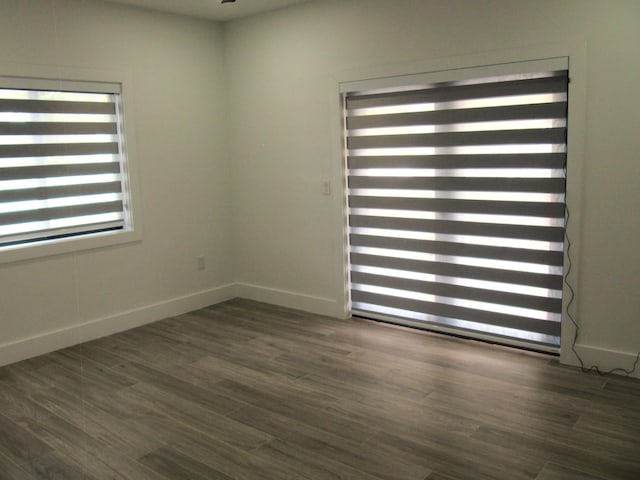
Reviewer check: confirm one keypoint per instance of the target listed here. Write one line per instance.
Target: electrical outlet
(200, 262)
(326, 187)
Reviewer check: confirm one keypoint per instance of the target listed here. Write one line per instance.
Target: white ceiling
(212, 9)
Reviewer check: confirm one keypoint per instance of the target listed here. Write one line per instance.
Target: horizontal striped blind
(456, 197)
(60, 163)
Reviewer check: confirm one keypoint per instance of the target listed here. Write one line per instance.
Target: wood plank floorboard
(244, 390)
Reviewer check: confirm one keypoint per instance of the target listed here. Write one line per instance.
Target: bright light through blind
(456, 204)
(61, 165)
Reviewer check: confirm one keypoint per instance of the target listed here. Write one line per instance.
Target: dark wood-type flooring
(248, 391)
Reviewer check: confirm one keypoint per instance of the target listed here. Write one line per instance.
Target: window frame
(91, 81)
(573, 48)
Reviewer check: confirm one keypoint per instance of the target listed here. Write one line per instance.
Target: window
(456, 194)
(63, 174)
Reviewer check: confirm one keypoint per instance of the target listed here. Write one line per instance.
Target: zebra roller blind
(456, 209)
(60, 160)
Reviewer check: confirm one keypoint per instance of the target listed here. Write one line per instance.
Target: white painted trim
(339, 208)
(91, 78)
(576, 136)
(298, 301)
(605, 359)
(575, 50)
(73, 335)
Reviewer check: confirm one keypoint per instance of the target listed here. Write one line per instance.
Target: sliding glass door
(456, 194)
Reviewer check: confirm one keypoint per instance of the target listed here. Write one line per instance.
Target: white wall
(280, 67)
(262, 84)
(179, 109)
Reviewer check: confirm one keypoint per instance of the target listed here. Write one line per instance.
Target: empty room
(319, 239)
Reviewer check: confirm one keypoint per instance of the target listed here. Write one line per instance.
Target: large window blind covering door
(456, 196)
(61, 171)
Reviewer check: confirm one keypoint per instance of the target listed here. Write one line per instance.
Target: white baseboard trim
(65, 337)
(604, 358)
(283, 298)
(47, 342)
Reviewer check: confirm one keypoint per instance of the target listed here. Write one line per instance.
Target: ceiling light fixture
(227, 1)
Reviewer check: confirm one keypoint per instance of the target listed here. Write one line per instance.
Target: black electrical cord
(594, 368)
